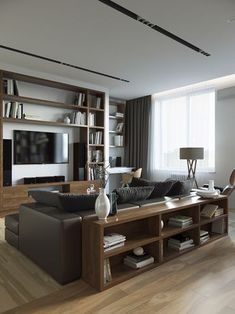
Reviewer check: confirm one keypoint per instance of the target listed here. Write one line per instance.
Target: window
(184, 121)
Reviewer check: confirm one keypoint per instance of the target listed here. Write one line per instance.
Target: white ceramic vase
(102, 205)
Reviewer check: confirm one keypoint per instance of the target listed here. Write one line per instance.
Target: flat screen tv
(32, 147)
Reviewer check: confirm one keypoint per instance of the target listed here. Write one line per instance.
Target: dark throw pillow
(179, 187)
(76, 202)
(45, 197)
(133, 194)
(160, 188)
(139, 182)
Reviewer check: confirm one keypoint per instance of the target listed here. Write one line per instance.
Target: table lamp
(192, 154)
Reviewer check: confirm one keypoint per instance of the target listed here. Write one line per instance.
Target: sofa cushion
(160, 188)
(179, 187)
(133, 194)
(45, 197)
(76, 202)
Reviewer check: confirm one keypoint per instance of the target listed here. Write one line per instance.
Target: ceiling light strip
(157, 28)
(63, 63)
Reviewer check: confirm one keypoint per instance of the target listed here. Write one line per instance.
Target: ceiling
(90, 34)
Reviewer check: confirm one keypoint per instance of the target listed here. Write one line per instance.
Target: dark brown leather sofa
(51, 238)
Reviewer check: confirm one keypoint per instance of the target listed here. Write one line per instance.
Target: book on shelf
(96, 137)
(119, 114)
(140, 264)
(107, 271)
(114, 246)
(91, 119)
(209, 210)
(118, 140)
(180, 221)
(137, 258)
(113, 240)
(78, 117)
(204, 236)
(10, 87)
(180, 242)
(79, 99)
(12, 110)
(95, 101)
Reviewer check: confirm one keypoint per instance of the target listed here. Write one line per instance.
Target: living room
(116, 134)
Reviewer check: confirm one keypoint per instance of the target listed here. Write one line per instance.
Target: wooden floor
(21, 281)
(201, 282)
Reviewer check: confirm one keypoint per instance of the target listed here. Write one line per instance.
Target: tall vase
(102, 205)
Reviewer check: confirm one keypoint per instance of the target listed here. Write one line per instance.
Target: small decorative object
(67, 120)
(162, 224)
(211, 186)
(138, 251)
(91, 189)
(102, 205)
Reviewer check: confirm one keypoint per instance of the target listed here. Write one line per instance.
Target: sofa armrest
(52, 239)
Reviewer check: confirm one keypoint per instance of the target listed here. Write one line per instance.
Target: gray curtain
(137, 132)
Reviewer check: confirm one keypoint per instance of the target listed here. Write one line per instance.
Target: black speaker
(79, 161)
(118, 161)
(7, 162)
(29, 180)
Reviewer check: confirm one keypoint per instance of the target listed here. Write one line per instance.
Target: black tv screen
(32, 147)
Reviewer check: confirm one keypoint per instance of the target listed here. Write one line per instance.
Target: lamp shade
(192, 153)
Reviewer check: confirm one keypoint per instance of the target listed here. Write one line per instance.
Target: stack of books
(96, 137)
(113, 241)
(138, 261)
(211, 210)
(91, 119)
(12, 110)
(119, 114)
(78, 117)
(80, 99)
(180, 221)
(204, 236)
(180, 242)
(118, 140)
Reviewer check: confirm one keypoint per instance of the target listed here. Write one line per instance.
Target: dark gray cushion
(133, 194)
(179, 187)
(45, 197)
(160, 188)
(76, 202)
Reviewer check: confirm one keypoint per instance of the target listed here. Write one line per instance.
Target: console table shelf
(142, 227)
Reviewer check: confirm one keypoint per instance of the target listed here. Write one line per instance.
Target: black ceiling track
(62, 63)
(157, 28)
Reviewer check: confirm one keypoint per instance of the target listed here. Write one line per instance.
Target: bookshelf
(63, 100)
(142, 227)
(116, 129)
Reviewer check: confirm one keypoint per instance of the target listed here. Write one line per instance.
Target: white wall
(50, 114)
(224, 138)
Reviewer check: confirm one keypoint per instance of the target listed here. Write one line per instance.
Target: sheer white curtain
(181, 121)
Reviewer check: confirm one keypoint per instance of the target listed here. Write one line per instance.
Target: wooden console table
(142, 227)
